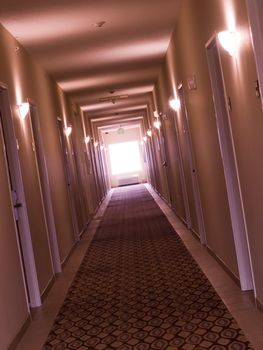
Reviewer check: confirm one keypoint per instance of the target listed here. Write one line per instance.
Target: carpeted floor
(139, 288)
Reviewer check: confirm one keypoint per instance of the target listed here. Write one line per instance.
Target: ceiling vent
(98, 24)
(113, 99)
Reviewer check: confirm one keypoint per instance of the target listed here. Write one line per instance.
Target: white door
(230, 167)
(69, 176)
(190, 171)
(20, 209)
(43, 174)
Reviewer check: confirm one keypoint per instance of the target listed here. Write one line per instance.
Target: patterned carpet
(139, 288)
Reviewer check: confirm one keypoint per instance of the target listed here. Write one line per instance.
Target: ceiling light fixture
(120, 131)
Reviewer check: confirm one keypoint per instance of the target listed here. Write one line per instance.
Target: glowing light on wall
(157, 124)
(155, 113)
(144, 138)
(125, 157)
(175, 104)
(68, 130)
(229, 41)
(96, 144)
(149, 133)
(230, 14)
(23, 110)
(87, 139)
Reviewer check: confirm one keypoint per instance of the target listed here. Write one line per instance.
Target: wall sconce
(96, 144)
(149, 133)
(68, 130)
(157, 124)
(144, 138)
(23, 110)
(155, 113)
(175, 104)
(87, 139)
(228, 40)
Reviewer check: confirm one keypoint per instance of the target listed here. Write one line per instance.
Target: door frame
(230, 168)
(255, 8)
(68, 179)
(192, 166)
(45, 187)
(187, 219)
(33, 291)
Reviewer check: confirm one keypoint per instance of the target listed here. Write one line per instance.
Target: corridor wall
(25, 79)
(186, 61)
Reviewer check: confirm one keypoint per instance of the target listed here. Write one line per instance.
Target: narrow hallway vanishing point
(139, 288)
(95, 95)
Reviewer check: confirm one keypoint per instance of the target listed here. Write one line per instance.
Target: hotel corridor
(139, 288)
(164, 98)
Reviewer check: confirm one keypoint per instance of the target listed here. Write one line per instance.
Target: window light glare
(23, 110)
(125, 157)
(68, 130)
(228, 40)
(175, 104)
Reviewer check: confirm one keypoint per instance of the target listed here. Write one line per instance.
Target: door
(19, 202)
(189, 166)
(163, 164)
(176, 175)
(255, 11)
(167, 160)
(42, 167)
(229, 166)
(77, 182)
(70, 180)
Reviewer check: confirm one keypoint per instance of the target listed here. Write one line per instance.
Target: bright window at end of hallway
(125, 157)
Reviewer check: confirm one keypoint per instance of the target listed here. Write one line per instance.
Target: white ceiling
(123, 56)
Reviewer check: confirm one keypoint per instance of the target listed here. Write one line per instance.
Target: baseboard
(195, 234)
(259, 305)
(224, 266)
(63, 262)
(20, 334)
(47, 289)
